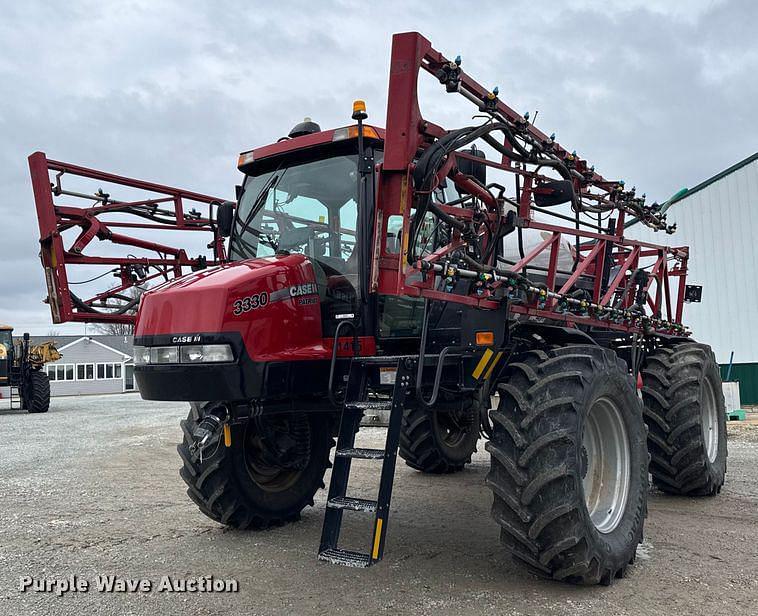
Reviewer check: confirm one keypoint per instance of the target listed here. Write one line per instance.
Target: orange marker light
(350, 132)
(485, 338)
(245, 158)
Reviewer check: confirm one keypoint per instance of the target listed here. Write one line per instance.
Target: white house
(90, 365)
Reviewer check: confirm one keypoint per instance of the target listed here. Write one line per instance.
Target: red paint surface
(202, 302)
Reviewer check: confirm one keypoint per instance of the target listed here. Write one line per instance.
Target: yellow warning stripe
(377, 538)
(492, 365)
(486, 356)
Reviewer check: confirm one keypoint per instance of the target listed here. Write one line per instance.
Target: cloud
(659, 93)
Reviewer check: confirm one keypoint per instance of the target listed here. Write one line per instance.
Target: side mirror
(225, 218)
(553, 193)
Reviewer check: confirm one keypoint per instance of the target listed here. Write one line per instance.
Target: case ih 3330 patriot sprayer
(386, 269)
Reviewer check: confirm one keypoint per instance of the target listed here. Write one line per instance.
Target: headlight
(206, 353)
(141, 355)
(189, 354)
(164, 355)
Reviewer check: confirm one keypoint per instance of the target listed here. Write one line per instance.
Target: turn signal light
(351, 132)
(245, 158)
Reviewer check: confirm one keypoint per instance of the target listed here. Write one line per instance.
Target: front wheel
(569, 464)
(439, 441)
(267, 477)
(36, 398)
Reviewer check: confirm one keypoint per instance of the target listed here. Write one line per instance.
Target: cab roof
(305, 142)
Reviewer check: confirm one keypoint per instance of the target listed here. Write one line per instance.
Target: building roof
(690, 191)
(121, 344)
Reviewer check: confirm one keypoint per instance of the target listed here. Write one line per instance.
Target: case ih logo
(303, 289)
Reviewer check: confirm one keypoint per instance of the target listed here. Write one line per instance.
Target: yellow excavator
(21, 370)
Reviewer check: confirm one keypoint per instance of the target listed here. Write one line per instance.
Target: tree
(115, 329)
(122, 329)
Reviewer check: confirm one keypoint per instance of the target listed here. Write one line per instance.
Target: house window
(60, 372)
(85, 372)
(109, 371)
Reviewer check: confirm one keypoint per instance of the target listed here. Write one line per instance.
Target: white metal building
(718, 220)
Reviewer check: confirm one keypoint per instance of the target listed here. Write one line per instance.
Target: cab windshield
(309, 208)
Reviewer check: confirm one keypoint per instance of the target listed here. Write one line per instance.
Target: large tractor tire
(440, 441)
(569, 464)
(267, 477)
(37, 395)
(684, 410)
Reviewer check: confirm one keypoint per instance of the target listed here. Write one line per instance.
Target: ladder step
(354, 504)
(347, 558)
(382, 360)
(362, 453)
(384, 405)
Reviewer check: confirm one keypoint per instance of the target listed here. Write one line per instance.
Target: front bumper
(239, 379)
(279, 384)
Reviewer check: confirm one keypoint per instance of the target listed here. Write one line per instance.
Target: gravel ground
(91, 488)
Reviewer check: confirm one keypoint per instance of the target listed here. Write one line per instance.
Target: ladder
(338, 500)
(15, 397)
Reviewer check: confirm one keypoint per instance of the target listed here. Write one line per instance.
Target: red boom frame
(407, 133)
(166, 208)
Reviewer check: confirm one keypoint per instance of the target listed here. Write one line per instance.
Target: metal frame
(166, 209)
(408, 133)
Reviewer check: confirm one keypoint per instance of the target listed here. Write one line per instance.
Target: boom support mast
(621, 301)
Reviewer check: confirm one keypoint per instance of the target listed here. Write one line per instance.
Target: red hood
(262, 299)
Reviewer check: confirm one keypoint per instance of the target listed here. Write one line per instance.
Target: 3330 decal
(303, 294)
(251, 302)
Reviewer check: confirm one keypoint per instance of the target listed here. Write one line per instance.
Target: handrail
(333, 364)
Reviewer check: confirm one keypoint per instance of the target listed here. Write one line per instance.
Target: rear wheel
(267, 477)
(36, 398)
(569, 464)
(440, 440)
(686, 415)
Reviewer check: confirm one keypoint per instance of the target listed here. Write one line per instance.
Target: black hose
(81, 305)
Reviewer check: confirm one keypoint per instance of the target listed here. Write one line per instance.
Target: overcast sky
(661, 93)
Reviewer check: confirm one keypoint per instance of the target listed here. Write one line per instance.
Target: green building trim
(747, 375)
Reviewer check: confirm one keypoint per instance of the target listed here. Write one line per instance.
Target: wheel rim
(605, 463)
(452, 427)
(261, 468)
(709, 422)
